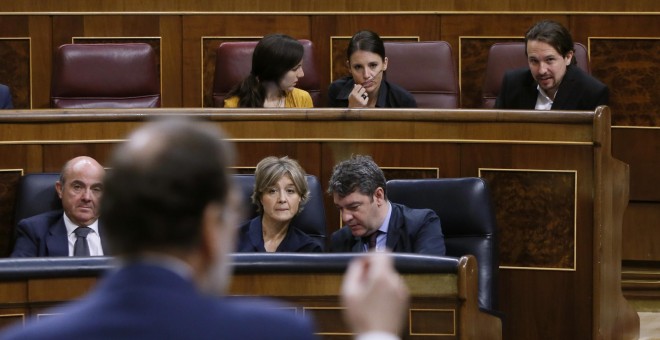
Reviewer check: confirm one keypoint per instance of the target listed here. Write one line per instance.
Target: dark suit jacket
(389, 95)
(577, 91)
(296, 241)
(44, 235)
(5, 98)
(142, 301)
(410, 231)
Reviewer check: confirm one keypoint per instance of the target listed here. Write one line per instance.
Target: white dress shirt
(543, 101)
(93, 238)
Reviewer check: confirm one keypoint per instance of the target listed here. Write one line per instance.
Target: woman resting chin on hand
(366, 86)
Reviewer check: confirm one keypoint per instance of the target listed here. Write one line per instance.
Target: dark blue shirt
(296, 241)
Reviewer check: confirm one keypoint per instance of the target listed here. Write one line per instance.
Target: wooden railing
(559, 195)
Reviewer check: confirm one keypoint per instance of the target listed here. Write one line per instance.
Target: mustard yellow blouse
(297, 99)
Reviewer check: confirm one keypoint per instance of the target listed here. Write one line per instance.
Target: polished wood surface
(579, 286)
(359, 6)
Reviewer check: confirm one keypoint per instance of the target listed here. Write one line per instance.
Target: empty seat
(234, 62)
(105, 76)
(511, 55)
(36, 194)
(468, 223)
(426, 70)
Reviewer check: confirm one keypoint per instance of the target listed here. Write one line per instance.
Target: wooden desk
(443, 290)
(559, 195)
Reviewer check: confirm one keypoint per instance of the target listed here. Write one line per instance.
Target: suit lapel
(104, 242)
(529, 100)
(358, 245)
(393, 228)
(564, 94)
(255, 234)
(57, 243)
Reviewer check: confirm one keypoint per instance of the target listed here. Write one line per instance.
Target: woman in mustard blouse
(276, 68)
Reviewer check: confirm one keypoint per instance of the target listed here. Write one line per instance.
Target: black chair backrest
(311, 220)
(468, 222)
(36, 194)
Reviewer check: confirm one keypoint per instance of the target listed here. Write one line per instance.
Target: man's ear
(218, 230)
(379, 196)
(58, 188)
(569, 57)
(211, 228)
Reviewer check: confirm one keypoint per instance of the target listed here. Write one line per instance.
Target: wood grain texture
(536, 217)
(358, 6)
(15, 73)
(640, 149)
(641, 220)
(629, 67)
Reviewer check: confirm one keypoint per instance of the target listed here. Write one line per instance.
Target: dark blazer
(410, 231)
(577, 91)
(5, 97)
(142, 301)
(389, 95)
(295, 241)
(44, 235)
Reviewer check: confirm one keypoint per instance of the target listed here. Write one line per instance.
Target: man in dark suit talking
(57, 233)
(371, 221)
(552, 81)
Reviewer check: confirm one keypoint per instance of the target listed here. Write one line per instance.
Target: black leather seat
(468, 223)
(36, 194)
(311, 220)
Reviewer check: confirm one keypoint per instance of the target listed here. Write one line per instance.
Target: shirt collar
(386, 223)
(70, 226)
(543, 101)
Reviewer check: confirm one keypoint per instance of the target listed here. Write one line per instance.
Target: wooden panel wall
(359, 6)
(624, 45)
